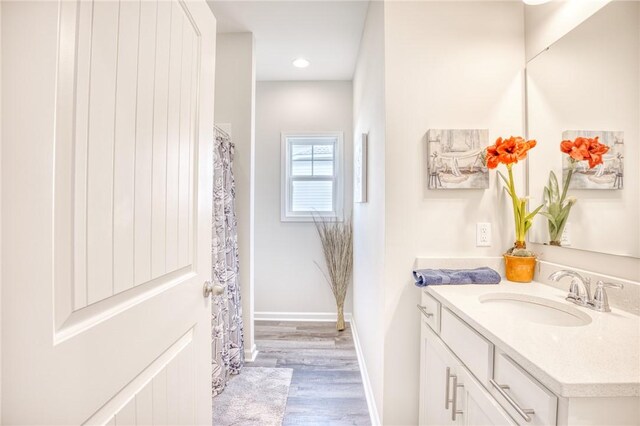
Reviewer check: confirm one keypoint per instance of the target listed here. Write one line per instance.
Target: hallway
(326, 387)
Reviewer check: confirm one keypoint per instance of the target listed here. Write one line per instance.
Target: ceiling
(327, 33)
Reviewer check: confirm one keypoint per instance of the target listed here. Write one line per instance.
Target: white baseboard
(368, 390)
(251, 354)
(298, 316)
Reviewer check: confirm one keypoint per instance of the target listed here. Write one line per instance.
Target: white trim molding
(338, 178)
(299, 316)
(368, 390)
(251, 354)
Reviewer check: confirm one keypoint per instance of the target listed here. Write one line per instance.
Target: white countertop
(600, 359)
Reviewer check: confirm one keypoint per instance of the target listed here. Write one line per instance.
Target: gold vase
(519, 269)
(340, 321)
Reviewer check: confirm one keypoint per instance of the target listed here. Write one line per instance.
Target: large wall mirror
(585, 89)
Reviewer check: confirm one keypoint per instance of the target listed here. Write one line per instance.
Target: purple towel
(425, 277)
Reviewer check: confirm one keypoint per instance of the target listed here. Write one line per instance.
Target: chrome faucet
(580, 290)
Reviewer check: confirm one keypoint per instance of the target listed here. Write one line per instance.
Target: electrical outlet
(565, 239)
(483, 234)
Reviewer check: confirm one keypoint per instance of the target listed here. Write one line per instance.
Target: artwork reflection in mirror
(608, 173)
(583, 94)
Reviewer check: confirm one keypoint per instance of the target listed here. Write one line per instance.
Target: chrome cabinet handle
(525, 413)
(210, 288)
(446, 389)
(423, 309)
(454, 398)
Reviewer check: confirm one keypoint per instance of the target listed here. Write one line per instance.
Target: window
(311, 176)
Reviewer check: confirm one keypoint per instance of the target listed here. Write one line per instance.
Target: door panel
(124, 165)
(144, 141)
(109, 157)
(160, 127)
(108, 176)
(98, 253)
(162, 392)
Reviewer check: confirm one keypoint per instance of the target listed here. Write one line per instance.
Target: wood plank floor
(326, 387)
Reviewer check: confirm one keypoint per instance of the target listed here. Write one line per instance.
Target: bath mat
(256, 396)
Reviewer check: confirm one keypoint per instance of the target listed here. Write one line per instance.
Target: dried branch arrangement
(337, 246)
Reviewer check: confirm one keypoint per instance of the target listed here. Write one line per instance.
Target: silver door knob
(210, 288)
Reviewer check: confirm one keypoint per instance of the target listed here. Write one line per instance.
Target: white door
(107, 125)
(438, 368)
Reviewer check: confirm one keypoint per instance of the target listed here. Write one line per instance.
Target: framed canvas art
(454, 159)
(360, 169)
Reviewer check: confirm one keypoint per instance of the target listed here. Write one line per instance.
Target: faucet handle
(600, 298)
(574, 290)
(601, 283)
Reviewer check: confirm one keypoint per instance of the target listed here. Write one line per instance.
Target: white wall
(546, 23)
(286, 277)
(448, 65)
(234, 105)
(368, 245)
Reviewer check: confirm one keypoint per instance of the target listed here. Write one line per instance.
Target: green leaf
(504, 179)
(564, 213)
(547, 215)
(519, 210)
(507, 190)
(550, 218)
(546, 196)
(553, 186)
(533, 213)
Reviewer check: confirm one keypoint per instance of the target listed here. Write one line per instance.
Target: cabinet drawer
(474, 351)
(523, 391)
(430, 311)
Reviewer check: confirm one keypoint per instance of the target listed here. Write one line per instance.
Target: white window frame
(286, 214)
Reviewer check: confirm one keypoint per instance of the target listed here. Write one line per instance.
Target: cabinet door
(435, 392)
(478, 406)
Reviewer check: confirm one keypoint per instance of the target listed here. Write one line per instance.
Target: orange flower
(508, 151)
(581, 149)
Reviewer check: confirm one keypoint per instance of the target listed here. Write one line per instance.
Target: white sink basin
(535, 309)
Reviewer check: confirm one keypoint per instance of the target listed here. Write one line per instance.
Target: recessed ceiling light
(301, 63)
(535, 2)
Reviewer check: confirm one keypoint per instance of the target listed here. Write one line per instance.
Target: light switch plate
(483, 234)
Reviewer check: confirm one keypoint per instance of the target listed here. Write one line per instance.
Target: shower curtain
(226, 309)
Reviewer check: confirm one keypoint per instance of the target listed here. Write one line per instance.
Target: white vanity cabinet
(467, 379)
(449, 394)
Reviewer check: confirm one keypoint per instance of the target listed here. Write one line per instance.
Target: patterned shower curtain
(226, 309)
